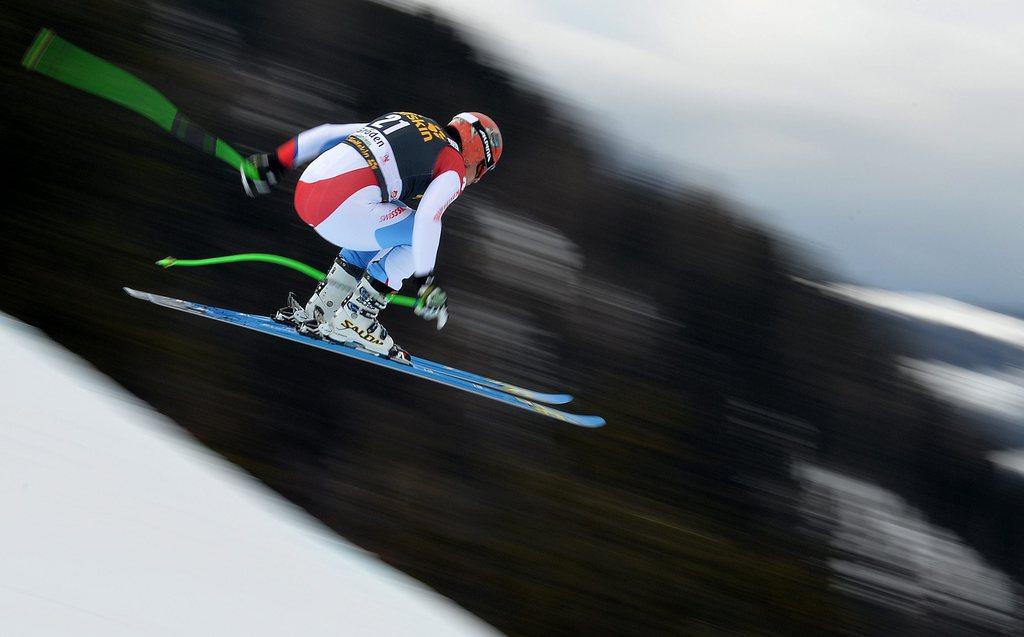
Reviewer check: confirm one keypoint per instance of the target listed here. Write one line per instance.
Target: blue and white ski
(443, 374)
(508, 388)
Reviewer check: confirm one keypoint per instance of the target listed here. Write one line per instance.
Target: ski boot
(327, 298)
(355, 322)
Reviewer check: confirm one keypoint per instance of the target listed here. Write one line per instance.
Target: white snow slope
(932, 308)
(115, 522)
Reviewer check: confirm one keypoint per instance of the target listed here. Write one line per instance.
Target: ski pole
(55, 57)
(61, 60)
(308, 270)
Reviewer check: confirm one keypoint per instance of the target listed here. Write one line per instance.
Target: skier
(377, 191)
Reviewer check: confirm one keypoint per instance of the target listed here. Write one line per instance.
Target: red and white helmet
(480, 141)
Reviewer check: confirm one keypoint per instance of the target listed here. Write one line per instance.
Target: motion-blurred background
(781, 457)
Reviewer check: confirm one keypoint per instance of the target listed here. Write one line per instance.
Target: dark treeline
(668, 313)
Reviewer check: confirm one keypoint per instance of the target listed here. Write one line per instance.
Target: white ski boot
(327, 298)
(355, 322)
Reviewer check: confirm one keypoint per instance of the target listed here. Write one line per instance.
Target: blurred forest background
(761, 436)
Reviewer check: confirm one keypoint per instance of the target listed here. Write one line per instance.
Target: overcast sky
(889, 135)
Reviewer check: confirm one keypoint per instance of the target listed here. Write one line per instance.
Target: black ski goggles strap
(486, 141)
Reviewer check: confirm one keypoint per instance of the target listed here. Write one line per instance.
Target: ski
(508, 388)
(429, 370)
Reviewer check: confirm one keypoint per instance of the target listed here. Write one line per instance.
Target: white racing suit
(378, 190)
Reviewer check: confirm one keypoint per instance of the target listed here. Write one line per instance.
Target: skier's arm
(309, 144)
(426, 229)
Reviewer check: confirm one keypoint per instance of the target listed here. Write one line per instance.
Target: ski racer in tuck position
(377, 191)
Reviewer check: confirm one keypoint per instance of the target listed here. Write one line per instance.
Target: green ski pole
(167, 262)
(55, 57)
(61, 60)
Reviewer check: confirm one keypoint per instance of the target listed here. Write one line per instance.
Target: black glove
(268, 170)
(431, 302)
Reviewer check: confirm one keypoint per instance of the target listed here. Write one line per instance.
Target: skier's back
(378, 191)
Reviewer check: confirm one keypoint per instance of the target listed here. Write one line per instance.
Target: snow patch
(1012, 460)
(1000, 393)
(885, 553)
(932, 308)
(117, 522)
